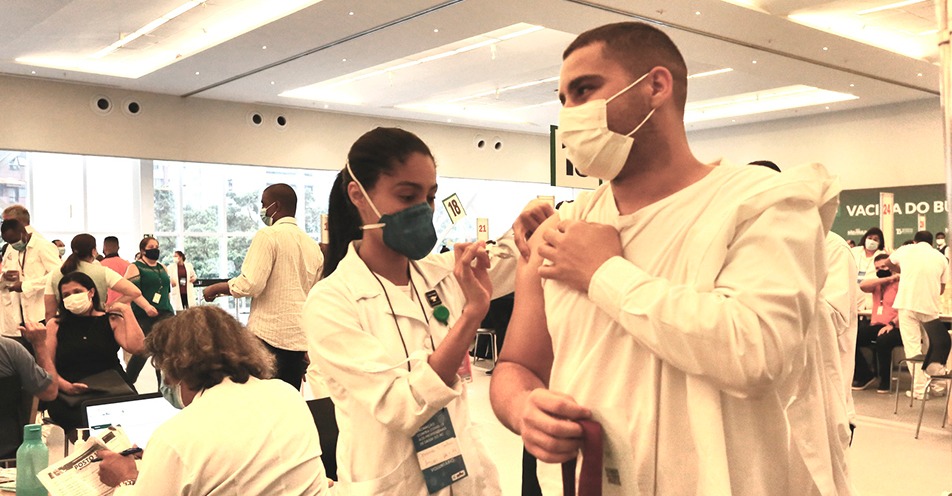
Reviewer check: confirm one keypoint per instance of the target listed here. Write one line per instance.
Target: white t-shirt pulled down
(923, 270)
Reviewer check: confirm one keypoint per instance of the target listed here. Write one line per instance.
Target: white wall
(50, 116)
(890, 145)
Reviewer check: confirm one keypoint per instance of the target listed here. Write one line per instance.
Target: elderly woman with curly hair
(240, 432)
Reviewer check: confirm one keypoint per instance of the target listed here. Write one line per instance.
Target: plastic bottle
(32, 457)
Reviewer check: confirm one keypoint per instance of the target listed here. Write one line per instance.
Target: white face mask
(78, 303)
(594, 149)
(940, 242)
(872, 244)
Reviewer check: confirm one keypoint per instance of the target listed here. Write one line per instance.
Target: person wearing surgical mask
(153, 281)
(85, 340)
(390, 325)
(940, 242)
(239, 432)
(675, 312)
(870, 246)
(281, 266)
(60, 247)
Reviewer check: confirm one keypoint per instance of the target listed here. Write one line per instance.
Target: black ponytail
(82, 247)
(343, 223)
(374, 153)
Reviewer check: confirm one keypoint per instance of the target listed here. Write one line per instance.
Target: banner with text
(860, 209)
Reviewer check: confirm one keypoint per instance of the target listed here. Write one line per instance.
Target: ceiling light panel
(147, 44)
(760, 102)
(906, 28)
(500, 55)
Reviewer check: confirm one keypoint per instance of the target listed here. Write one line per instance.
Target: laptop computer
(138, 415)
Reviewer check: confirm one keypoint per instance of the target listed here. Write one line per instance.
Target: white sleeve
(744, 333)
(111, 276)
(839, 290)
(256, 269)
(349, 357)
(161, 472)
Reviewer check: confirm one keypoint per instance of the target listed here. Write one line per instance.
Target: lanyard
(394, 314)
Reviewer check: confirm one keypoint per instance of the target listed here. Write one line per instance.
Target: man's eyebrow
(580, 80)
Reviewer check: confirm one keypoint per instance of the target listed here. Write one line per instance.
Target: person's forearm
(446, 359)
(509, 390)
(134, 339)
(142, 303)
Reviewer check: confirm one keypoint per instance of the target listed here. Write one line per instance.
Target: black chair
(17, 408)
(326, 421)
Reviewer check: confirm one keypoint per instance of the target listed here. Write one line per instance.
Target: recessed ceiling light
(350, 13)
(828, 107)
(343, 60)
(437, 30)
(825, 49)
(759, 102)
(264, 47)
(327, 106)
(32, 72)
(852, 85)
(197, 73)
(919, 75)
(697, 12)
(272, 82)
(753, 61)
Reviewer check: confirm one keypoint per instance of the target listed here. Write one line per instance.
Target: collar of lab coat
(427, 274)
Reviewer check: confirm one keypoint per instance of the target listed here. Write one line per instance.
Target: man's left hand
(115, 468)
(575, 250)
(17, 286)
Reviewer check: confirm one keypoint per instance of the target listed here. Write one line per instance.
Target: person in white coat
(390, 325)
(182, 277)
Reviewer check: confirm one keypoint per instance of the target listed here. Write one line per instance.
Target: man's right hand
(548, 425)
(531, 217)
(34, 332)
(151, 311)
(74, 388)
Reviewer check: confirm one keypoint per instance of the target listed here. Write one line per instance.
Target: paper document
(78, 475)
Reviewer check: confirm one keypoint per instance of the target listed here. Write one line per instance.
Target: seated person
(35, 378)
(84, 340)
(240, 431)
(883, 327)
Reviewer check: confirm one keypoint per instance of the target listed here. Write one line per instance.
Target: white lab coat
(39, 259)
(703, 349)
(172, 269)
(357, 349)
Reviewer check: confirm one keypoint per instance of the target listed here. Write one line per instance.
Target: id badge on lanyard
(438, 452)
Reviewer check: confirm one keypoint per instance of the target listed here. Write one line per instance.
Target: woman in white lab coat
(390, 325)
(181, 275)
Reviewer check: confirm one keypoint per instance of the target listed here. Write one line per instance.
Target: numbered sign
(454, 207)
(482, 229)
(548, 198)
(922, 222)
(886, 203)
(325, 233)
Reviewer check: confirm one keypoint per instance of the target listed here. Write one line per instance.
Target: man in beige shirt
(281, 266)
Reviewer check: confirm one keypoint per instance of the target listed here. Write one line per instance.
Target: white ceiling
(324, 41)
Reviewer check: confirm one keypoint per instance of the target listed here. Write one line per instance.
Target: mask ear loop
(643, 121)
(626, 88)
(364, 192)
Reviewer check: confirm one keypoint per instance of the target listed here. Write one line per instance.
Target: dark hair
(10, 225)
(376, 152)
(180, 254)
(145, 241)
(880, 257)
(638, 47)
(766, 163)
(869, 232)
(940, 233)
(205, 344)
(83, 280)
(923, 237)
(283, 194)
(82, 246)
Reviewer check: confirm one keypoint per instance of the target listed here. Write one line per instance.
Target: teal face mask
(172, 394)
(19, 245)
(409, 232)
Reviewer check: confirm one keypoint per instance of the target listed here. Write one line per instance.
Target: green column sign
(859, 210)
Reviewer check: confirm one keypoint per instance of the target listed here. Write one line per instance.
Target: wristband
(130, 482)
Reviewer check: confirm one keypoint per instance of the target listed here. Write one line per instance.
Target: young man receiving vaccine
(676, 305)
